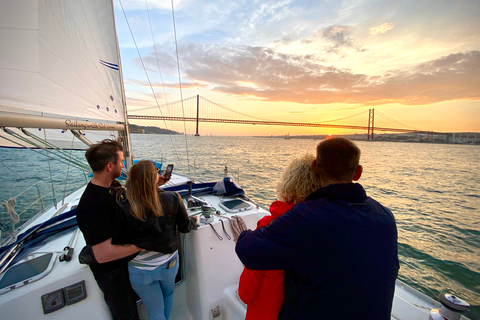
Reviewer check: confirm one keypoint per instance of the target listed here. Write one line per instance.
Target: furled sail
(59, 66)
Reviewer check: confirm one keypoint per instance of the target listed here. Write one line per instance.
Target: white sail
(59, 58)
(59, 71)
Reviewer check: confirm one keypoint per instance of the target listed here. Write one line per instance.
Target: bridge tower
(198, 112)
(371, 116)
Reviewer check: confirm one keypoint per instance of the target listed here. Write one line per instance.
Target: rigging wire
(165, 105)
(79, 164)
(146, 74)
(180, 85)
(32, 149)
(156, 55)
(11, 169)
(50, 170)
(140, 57)
(61, 152)
(161, 80)
(68, 171)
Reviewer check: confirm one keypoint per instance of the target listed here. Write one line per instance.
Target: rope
(238, 226)
(9, 205)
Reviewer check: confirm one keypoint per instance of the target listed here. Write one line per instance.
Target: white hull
(208, 290)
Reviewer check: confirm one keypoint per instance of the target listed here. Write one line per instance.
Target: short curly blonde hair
(298, 180)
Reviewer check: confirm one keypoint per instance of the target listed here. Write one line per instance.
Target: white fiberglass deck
(207, 291)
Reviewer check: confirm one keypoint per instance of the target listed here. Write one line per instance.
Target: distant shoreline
(463, 138)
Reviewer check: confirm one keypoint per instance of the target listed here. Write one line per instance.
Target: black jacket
(156, 233)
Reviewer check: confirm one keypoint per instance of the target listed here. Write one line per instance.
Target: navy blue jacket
(339, 253)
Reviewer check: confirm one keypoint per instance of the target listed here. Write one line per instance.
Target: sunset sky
(414, 61)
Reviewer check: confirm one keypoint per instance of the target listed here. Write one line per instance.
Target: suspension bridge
(198, 109)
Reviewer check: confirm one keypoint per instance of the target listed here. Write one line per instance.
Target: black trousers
(118, 293)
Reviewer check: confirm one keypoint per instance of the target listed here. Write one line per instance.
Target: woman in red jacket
(262, 290)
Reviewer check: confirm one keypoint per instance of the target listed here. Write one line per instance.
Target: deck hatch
(236, 205)
(27, 271)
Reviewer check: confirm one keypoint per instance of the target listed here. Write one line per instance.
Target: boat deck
(207, 289)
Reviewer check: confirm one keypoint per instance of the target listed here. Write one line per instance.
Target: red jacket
(262, 290)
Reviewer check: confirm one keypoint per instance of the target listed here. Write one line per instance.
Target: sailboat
(60, 71)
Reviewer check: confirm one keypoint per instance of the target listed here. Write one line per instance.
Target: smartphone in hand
(168, 172)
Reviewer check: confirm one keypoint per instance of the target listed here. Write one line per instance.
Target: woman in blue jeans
(150, 220)
(155, 286)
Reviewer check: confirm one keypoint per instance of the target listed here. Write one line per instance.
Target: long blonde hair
(298, 180)
(141, 190)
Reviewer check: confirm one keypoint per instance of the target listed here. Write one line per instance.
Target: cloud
(267, 74)
(273, 76)
(337, 35)
(336, 39)
(186, 85)
(381, 28)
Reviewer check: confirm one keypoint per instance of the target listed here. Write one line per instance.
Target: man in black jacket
(97, 212)
(338, 248)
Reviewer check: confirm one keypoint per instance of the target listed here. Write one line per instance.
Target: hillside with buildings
(150, 130)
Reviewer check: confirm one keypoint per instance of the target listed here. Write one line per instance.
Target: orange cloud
(289, 78)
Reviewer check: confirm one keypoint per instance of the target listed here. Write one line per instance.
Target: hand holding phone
(168, 172)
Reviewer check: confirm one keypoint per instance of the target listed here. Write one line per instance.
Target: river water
(432, 189)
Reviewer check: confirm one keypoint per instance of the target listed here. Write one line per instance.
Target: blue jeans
(155, 287)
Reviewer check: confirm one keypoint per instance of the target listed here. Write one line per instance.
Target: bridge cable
(342, 118)
(395, 121)
(223, 107)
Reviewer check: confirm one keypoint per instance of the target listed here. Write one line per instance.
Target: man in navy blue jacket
(338, 248)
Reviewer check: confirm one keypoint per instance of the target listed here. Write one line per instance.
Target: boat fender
(452, 308)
